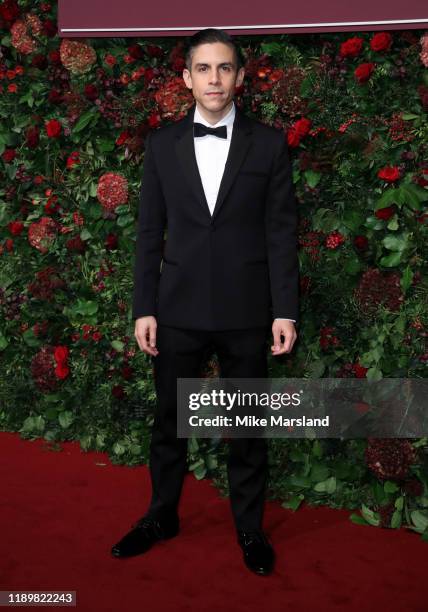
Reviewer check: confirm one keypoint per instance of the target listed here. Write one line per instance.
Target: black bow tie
(199, 129)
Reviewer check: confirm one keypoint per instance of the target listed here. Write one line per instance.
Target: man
(221, 184)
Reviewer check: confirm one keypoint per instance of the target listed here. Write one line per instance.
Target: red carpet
(62, 511)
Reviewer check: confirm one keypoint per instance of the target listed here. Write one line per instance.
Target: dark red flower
(385, 213)
(8, 155)
(364, 71)
(381, 41)
(39, 61)
(91, 92)
(49, 28)
(351, 47)
(55, 96)
(136, 51)
(361, 242)
(15, 227)
(359, 370)
(53, 128)
(389, 173)
(111, 241)
(390, 458)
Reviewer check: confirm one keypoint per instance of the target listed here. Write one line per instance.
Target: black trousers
(241, 353)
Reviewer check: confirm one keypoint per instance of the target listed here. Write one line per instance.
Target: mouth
(214, 93)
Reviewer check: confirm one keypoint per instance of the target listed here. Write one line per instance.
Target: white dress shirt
(211, 154)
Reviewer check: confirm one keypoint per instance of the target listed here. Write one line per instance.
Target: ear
(187, 78)
(240, 77)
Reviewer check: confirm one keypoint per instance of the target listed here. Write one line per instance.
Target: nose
(215, 76)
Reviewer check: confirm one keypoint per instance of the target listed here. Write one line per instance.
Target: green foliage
(77, 294)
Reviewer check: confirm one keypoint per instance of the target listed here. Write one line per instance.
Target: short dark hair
(211, 35)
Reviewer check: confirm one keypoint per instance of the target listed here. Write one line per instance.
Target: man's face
(213, 76)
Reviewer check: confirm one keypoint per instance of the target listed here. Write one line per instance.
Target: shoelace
(150, 523)
(253, 535)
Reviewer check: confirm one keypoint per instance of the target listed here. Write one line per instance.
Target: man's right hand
(145, 333)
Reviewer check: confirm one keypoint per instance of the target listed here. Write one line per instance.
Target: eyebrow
(205, 64)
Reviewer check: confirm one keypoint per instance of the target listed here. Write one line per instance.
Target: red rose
(8, 155)
(53, 128)
(389, 173)
(61, 353)
(32, 137)
(293, 137)
(302, 126)
(73, 159)
(364, 71)
(15, 227)
(351, 47)
(62, 370)
(385, 213)
(154, 120)
(361, 242)
(359, 370)
(381, 41)
(111, 241)
(91, 92)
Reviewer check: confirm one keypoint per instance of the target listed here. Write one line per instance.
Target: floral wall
(74, 115)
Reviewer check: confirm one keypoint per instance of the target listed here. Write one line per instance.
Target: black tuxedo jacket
(235, 269)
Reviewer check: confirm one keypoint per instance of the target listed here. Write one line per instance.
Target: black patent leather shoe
(144, 533)
(259, 555)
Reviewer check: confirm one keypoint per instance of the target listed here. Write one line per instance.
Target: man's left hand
(286, 329)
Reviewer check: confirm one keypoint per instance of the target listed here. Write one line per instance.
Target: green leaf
(29, 338)
(118, 345)
(327, 486)
(124, 220)
(84, 120)
(352, 266)
(419, 519)
(85, 234)
(392, 260)
(293, 502)
(118, 448)
(390, 487)
(406, 279)
(395, 243)
(396, 519)
(358, 519)
(389, 196)
(399, 503)
(393, 224)
(312, 177)
(65, 418)
(353, 219)
(370, 516)
(374, 374)
(3, 341)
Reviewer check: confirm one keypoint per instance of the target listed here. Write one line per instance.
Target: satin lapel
(239, 145)
(185, 150)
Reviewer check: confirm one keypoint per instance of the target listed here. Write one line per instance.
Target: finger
(152, 339)
(276, 339)
(145, 341)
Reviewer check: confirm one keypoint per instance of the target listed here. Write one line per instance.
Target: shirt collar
(226, 120)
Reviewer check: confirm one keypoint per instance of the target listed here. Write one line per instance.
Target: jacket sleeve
(150, 233)
(281, 236)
